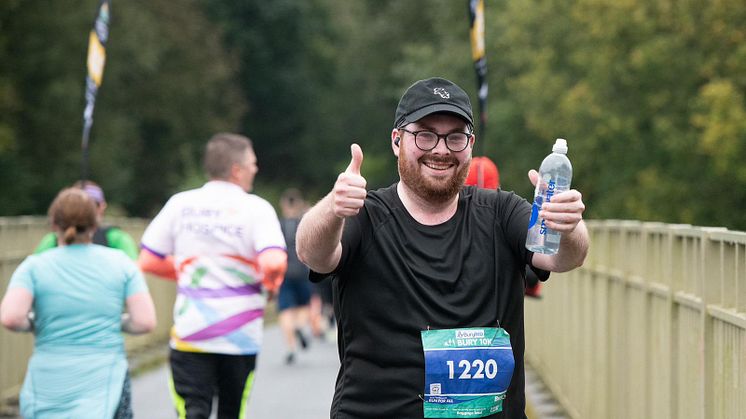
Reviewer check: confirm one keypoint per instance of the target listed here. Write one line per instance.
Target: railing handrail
(650, 326)
(653, 325)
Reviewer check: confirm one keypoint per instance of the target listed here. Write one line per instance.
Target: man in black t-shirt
(428, 274)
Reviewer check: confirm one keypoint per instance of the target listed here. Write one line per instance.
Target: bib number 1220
(482, 369)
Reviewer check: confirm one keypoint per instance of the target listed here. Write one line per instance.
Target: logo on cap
(441, 92)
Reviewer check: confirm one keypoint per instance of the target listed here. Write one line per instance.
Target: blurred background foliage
(650, 95)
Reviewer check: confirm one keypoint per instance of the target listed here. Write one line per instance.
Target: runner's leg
(124, 410)
(235, 380)
(193, 383)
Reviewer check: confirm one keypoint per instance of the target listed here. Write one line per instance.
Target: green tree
(169, 85)
(43, 53)
(649, 94)
(14, 199)
(627, 84)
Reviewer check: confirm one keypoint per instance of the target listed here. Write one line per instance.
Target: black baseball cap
(430, 96)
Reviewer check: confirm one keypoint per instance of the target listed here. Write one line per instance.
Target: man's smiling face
(436, 175)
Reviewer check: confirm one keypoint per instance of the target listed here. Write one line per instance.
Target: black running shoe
(301, 339)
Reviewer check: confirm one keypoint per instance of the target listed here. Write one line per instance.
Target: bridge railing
(18, 238)
(652, 326)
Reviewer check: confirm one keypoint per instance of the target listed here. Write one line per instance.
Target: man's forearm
(573, 249)
(318, 237)
(572, 252)
(160, 266)
(129, 326)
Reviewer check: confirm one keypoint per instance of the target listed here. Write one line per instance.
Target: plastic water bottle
(555, 175)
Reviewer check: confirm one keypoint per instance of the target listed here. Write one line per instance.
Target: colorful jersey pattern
(215, 234)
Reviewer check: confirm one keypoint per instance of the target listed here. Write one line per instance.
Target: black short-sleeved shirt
(398, 277)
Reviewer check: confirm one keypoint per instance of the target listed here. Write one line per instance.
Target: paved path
(300, 391)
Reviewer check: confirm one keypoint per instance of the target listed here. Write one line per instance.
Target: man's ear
(395, 140)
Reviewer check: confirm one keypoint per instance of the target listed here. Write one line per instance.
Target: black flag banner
(95, 64)
(476, 21)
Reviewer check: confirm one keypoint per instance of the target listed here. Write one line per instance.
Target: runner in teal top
(79, 363)
(78, 292)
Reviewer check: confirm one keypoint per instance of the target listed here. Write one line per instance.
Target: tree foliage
(649, 94)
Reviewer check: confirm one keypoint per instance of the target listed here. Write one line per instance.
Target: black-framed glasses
(427, 140)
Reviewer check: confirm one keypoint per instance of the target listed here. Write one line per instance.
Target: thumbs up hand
(349, 191)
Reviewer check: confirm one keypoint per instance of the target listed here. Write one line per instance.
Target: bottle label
(538, 201)
(550, 189)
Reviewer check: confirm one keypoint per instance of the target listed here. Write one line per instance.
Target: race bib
(467, 371)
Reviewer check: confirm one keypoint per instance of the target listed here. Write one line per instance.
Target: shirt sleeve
(119, 239)
(23, 276)
(135, 281)
(513, 215)
(159, 235)
(49, 241)
(351, 237)
(267, 232)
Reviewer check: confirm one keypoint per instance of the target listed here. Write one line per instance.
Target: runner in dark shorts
(295, 292)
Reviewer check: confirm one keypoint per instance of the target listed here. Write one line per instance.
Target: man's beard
(436, 191)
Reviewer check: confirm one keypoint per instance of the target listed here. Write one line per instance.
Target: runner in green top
(109, 236)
